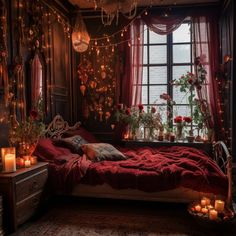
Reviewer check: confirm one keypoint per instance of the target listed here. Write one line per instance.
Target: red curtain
(206, 46)
(131, 91)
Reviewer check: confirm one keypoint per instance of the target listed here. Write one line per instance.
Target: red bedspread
(147, 169)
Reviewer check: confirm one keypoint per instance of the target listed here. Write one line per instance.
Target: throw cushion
(73, 143)
(102, 151)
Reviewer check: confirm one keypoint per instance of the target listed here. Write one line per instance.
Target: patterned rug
(93, 217)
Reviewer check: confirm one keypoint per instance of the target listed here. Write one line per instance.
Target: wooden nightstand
(22, 191)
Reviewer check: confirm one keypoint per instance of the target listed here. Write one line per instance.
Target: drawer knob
(34, 185)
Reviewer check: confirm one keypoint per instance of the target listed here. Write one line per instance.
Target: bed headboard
(58, 127)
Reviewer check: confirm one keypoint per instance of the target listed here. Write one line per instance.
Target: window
(166, 58)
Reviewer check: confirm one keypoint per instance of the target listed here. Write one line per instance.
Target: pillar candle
(213, 214)
(219, 205)
(27, 163)
(10, 163)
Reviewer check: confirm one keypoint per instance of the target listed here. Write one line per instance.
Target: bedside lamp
(8, 159)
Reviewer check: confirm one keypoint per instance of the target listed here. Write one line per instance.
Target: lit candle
(126, 136)
(208, 200)
(33, 160)
(8, 159)
(213, 214)
(27, 163)
(203, 202)
(198, 208)
(10, 164)
(219, 205)
(20, 162)
(204, 210)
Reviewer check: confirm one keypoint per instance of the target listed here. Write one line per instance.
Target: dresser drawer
(30, 185)
(25, 209)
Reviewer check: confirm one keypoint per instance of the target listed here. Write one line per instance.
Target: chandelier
(110, 9)
(80, 36)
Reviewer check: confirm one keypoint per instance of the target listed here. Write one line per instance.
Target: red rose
(190, 80)
(140, 107)
(127, 111)
(187, 119)
(153, 110)
(178, 119)
(33, 114)
(165, 96)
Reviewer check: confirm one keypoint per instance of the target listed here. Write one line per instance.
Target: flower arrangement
(135, 117)
(27, 133)
(180, 123)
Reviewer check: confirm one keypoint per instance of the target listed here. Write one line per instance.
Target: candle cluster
(214, 210)
(25, 161)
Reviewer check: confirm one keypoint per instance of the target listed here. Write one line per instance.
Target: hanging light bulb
(80, 36)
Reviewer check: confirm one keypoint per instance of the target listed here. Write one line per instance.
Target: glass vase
(179, 131)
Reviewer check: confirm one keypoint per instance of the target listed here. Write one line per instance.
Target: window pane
(145, 55)
(180, 97)
(145, 32)
(145, 75)
(144, 95)
(182, 34)
(181, 111)
(178, 71)
(158, 75)
(163, 112)
(158, 54)
(155, 92)
(181, 53)
(156, 38)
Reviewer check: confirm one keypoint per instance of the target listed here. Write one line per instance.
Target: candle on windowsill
(219, 205)
(27, 163)
(8, 159)
(172, 138)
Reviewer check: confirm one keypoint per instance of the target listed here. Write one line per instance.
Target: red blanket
(147, 169)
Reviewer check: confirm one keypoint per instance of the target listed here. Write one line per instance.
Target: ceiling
(84, 4)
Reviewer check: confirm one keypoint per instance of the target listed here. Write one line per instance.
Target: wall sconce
(8, 159)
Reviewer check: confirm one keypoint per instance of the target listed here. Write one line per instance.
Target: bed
(176, 173)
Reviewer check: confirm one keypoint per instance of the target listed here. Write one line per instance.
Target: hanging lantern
(80, 36)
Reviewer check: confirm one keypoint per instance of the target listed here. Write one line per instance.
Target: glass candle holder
(8, 159)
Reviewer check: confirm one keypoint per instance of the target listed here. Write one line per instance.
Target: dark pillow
(102, 151)
(73, 143)
(86, 135)
(45, 150)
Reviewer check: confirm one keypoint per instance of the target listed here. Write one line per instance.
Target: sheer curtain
(206, 47)
(131, 90)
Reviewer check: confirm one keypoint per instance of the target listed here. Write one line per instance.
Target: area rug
(118, 218)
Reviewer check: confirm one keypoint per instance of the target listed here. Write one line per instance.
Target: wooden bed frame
(221, 155)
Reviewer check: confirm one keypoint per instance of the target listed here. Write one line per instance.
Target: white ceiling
(90, 3)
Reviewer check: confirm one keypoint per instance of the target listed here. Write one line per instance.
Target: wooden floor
(94, 217)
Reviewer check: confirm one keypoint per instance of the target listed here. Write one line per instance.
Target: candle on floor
(213, 214)
(203, 202)
(219, 205)
(204, 210)
(198, 208)
(27, 163)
